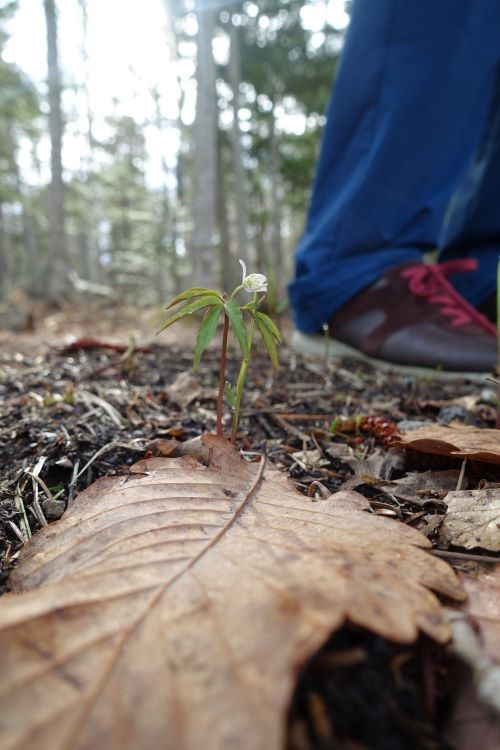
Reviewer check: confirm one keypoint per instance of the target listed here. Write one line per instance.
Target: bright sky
(128, 57)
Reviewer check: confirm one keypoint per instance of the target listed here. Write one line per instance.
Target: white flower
(254, 282)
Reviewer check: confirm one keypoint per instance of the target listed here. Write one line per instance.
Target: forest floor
(70, 413)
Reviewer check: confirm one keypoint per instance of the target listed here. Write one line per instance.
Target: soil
(71, 415)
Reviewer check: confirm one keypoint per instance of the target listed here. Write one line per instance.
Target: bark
(57, 281)
(205, 153)
(240, 191)
(4, 265)
(229, 277)
(30, 241)
(276, 259)
(91, 249)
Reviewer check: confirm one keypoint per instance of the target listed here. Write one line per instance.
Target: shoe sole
(332, 350)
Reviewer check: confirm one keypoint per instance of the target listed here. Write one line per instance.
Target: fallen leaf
(484, 672)
(366, 470)
(173, 607)
(470, 724)
(461, 441)
(424, 487)
(309, 459)
(472, 519)
(483, 606)
(186, 388)
(473, 721)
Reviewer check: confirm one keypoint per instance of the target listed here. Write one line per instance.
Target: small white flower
(254, 282)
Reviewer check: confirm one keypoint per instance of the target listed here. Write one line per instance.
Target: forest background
(200, 151)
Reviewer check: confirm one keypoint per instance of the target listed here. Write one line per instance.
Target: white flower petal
(255, 282)
(244, 267)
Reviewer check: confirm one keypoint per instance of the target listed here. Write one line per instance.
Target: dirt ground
(70, 413)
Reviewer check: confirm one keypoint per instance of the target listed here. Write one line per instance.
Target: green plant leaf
(231, 398)
(199, 304)
(237, 324)
(206, 333)
(269, 341)
(195, 291)
(268, 324)
(250, 306)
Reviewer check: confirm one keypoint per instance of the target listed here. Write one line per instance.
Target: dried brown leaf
(186, 388)
(472, 519)
(483, 606)
(424, 487)
(470, 725)
(463, 442)
(173, 608)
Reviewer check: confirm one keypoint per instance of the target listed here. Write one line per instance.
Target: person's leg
(472, 228)
(406, 115)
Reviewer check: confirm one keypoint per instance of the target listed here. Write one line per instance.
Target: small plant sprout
(242, 319)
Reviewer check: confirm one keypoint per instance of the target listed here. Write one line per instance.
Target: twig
(465, 556)
(91, 461)
(90, 399)
(289, 428)
(17, 531)
(461, 476)
(36, 507)
(42, 484)
(24, 527)
(113, 444)
(74, 477)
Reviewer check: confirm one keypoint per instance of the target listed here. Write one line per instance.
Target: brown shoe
(489, 308)
(411, 320)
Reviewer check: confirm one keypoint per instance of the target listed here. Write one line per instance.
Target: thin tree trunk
(240, 191)
(4, 265)
(30, 240)
(58, 266)
(276, 258)
(228, 276)
(205, 152)
(92, 260)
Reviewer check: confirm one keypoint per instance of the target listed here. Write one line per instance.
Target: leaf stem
(222, 373)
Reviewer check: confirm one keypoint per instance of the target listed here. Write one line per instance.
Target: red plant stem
(222, 373)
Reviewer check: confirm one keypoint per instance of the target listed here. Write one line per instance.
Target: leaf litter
(143, 565)
(309, 397)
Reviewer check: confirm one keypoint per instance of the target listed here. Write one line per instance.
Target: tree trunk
(240, 192)
(91, 249)
(228, 272)
(4, 265)
(276, 259)
(30, 240)
(57, 265)
(205, 152)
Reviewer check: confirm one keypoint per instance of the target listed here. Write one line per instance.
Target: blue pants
(410, 158)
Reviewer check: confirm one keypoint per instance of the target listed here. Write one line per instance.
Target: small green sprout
(242, 319)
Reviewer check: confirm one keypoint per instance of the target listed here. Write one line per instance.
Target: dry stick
(461, 476)
(465, 556)
(222, 374)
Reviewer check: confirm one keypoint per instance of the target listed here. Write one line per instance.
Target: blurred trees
(236, 187)
(57, 266)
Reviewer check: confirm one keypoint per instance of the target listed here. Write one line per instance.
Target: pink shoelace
(431, 281)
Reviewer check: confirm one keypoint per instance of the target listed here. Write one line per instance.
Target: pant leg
(406, 115)
(472, 227)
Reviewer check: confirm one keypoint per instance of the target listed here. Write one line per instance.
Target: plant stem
(242, 375)
(239, 392)
(222, 373)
